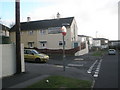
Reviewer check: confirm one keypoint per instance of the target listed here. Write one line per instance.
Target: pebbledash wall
(83, 51)
(8, 60)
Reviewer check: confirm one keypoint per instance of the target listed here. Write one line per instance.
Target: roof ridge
(42, 24)
(48, 19)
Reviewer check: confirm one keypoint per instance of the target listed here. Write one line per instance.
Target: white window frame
(61, 43)
(30, 44)
(43, 44)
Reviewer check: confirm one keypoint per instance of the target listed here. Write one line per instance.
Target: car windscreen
(111, 50)
(34, 52)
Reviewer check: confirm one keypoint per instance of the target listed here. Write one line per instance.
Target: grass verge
(99, 53)
(61, 82)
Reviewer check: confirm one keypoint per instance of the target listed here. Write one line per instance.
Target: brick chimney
(28, 19)
(58, 15)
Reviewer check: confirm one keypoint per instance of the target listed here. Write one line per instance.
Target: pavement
(37, 71)
(25, 79)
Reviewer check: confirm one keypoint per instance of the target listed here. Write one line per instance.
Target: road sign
(63, 30)
(54, 30)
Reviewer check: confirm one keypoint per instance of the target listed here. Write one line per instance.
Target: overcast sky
(93, 17)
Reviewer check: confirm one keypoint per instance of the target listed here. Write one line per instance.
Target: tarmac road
(37, 70)
(108, 75)
(76, 67)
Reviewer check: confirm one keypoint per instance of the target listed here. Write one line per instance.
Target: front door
(75, 44)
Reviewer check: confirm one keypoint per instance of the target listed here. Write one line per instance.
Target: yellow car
(33, 55)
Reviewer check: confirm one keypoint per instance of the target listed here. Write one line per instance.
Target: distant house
(4, 30)
(100, 43)
(114, 44)
(4, 34)
(46, 34)
(84, 38)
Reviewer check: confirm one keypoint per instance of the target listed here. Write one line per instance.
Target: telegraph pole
(18, 42)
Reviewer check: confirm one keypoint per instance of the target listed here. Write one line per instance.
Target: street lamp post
(63, 33)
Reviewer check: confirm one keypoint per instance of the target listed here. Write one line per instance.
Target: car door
(25, 55)
(29, 55)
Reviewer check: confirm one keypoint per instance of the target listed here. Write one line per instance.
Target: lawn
(61, 82)
(99, 53)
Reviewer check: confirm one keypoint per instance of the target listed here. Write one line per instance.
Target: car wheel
(37, 60)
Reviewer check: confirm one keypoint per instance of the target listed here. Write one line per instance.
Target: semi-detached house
(100, 43)
(45, 34)
(84, 38)
(4, 30)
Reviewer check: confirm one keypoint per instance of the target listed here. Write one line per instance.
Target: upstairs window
(21, 33)
(42, 32)
(30, 32)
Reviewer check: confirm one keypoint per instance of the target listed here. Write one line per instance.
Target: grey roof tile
(44, 24)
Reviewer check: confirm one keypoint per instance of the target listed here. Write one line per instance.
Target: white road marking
(90, 69)
(78, 59)
(60, 66)
(95, 75)
(75, 65)
(98, 69)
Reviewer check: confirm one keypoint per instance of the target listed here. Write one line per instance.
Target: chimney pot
(28, 19)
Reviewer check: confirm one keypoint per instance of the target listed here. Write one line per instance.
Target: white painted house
(84, 38)
(4, 30)
(100, 42)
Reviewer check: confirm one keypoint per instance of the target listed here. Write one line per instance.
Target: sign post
(63, 33)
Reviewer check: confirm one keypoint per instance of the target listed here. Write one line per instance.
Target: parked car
(111, 51)
(33, 55)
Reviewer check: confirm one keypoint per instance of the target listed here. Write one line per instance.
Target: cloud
(90, 15)
(47, 1)
(7, 22)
